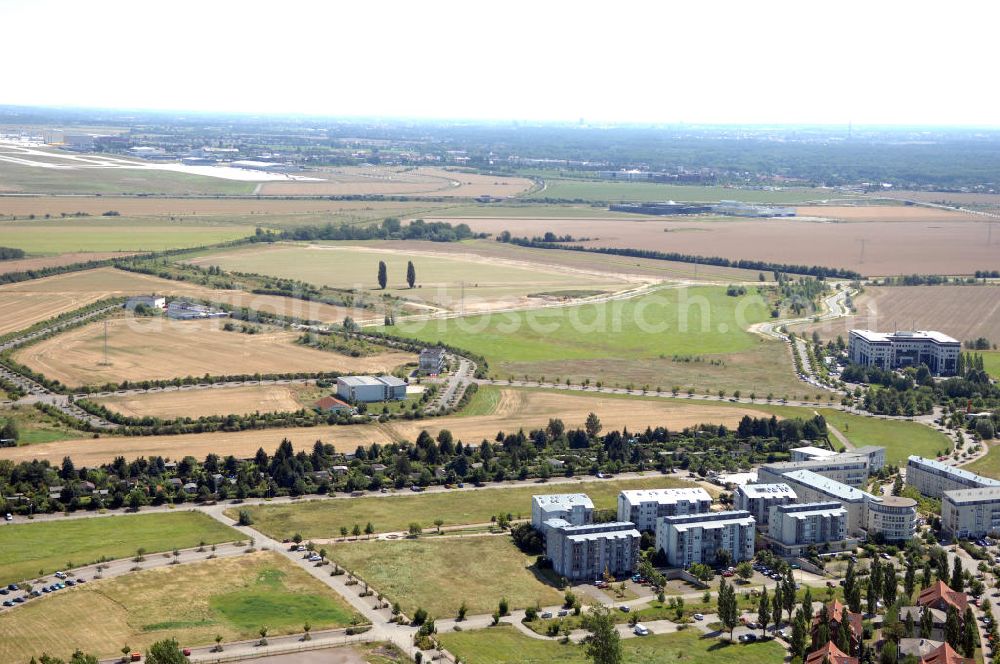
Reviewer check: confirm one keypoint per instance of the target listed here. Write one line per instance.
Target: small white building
(644, 506)
(151, 301)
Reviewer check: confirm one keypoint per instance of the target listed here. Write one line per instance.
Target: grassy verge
(323, 518)
(899, 437)
(193, 603)
(504, 645)
(439, 575)
(31, 549)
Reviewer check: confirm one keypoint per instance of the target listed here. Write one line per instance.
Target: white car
(640, 630)
(698, 616)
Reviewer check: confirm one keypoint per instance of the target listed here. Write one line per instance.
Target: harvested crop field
(149, 349)
(502, 409)
(448, 280)
(60, 236)
(29, 302)
(21, 206)
(902, 213)
(26, 264)
(948, 243)
(214, 401)
(491, 415)
(964, 312)
(373, 180)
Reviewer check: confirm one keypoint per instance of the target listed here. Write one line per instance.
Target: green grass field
(989, 465)
(603, 190)
(991, 362)
(504, 645)
(700, 320)
(440, 279)
(231, 597)
(28, 179)
(35, 427)
(323, 518)
(439, 575)
(899, 437)
(28, 549)
(50, 237)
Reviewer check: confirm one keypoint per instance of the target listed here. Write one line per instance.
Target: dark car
(12, 586)
(8, 603)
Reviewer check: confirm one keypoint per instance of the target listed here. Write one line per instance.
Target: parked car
(562, 613)
(12, 586)
(747, 638)
(8, 603)
(546, 615)
(8, 517)
(698, 616)
(186, 652)
(624, 608)
(640, 630)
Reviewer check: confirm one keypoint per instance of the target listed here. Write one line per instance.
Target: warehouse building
(644, 506)
(794, 528)
(897, 350)
(758, 499)
(932, 478)
(183, 310)
(151, 301)
(971, 512)
(369, 389)
(585, 552)
(739, 209)
(696, 538)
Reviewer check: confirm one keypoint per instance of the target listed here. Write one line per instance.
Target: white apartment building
(644, 506)
(812, 487)
(895, 350)
(971, 512)
(794, 528)
(758, 499)
(892, 517)
(696, 538)
(576, 509)
(875, 455)
(932, 478)
(844, 468)
(584, 552)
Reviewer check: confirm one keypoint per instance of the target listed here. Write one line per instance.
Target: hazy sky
(748, 61)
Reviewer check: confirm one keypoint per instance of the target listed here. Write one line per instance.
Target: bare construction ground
(147, 349)
(215, 401)
(964, 312)
(390, 181)
(874, 241)
(512, 410)
(29, 302)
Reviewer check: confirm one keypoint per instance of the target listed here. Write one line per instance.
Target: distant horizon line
(582, 123)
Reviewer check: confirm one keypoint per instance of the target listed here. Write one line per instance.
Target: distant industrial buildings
(895, 350)
(698, 538)
(151, 301)
(370, 389)
(737, 209)
(644, 506)
(758, 499)
(726, 208)
(184, 310)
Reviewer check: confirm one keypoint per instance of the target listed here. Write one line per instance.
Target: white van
(640, 630)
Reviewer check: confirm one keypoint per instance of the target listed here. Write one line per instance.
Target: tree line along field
(159, 348)
(964, 312)
(606, 190)
(194, 602)
(447, 281)
(27, 550)
(322, 519)
(505, 645)
(28, 302)
(911, 243)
